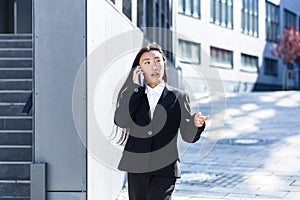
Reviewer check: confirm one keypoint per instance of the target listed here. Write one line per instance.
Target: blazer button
(149, 132)
(136, 90)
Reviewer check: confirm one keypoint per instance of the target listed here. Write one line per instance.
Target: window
(271, 67)
(221, 58)
(250, 17)
(189, 7)
(221, 12)
(290, 71)
(289, 19)
(181, 6)
(190, 51)
(127, 8)
(157, 14)
(249, 63)
(272, 22)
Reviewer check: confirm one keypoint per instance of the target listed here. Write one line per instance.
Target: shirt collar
(157, 89)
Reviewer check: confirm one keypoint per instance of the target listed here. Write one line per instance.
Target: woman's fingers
(136, 72)
(200, 119)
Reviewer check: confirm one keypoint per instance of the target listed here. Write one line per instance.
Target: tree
(287, 48)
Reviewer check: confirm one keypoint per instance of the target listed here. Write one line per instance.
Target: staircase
(15, 116)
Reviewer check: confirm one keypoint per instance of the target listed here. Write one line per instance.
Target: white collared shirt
(153, 95)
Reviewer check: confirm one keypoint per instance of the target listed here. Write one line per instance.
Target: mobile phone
(141, 79)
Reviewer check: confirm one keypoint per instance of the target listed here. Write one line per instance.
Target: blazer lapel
(145, 108)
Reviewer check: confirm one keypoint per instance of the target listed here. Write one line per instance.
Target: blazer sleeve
(189, 132)
(128, 104)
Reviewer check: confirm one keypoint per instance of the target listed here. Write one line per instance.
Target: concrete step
(15, 36)
(14, 189)
(15, 53)
(15, 153)
(14, 171)
(15, 62)
(15, 138)
(18, 43)
(15, 123)
(12, 109)
(15, 84)
(16, 73)
(11, 96)
(15, 126)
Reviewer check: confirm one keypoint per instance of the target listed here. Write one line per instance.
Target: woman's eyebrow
(146, 59)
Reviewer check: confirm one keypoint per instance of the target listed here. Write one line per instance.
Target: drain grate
(246, 141)
(211, 179)
(228, 180)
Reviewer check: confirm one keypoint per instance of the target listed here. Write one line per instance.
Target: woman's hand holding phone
(138, 76)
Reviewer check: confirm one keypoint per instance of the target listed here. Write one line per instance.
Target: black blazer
(152, 143)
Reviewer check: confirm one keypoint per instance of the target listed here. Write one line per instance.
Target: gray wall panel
(60, 48)
(66, 196)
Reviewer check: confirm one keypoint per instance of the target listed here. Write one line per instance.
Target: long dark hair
(128, 82)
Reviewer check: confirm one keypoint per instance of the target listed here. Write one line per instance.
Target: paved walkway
(256, 156)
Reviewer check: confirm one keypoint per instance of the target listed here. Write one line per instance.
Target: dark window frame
(127, 9)
(250, 18)
(269, 62)
(195, 44)
(221, 52)
(290, 19)
(223, 18)
(250, 57)
(156, 14)
(192, 14)
(272, 22)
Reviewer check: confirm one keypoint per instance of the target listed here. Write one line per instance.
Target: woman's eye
(147, 63)
(157, 61)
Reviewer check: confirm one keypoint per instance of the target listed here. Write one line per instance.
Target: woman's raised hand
(199, 119)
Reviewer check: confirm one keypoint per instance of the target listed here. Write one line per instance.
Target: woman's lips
(155, 74)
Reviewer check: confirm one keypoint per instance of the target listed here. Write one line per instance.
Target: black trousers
(150, 187)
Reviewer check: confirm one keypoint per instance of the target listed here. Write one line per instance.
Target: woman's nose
(155, 66)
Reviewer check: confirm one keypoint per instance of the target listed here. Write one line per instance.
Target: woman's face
(152, 65)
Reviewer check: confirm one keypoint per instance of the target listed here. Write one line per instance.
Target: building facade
(236, 35)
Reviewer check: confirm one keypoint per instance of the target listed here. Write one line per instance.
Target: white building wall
(105, 24)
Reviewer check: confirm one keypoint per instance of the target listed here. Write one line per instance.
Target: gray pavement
(256, 156)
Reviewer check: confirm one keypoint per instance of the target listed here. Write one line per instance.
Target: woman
(150, 116)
